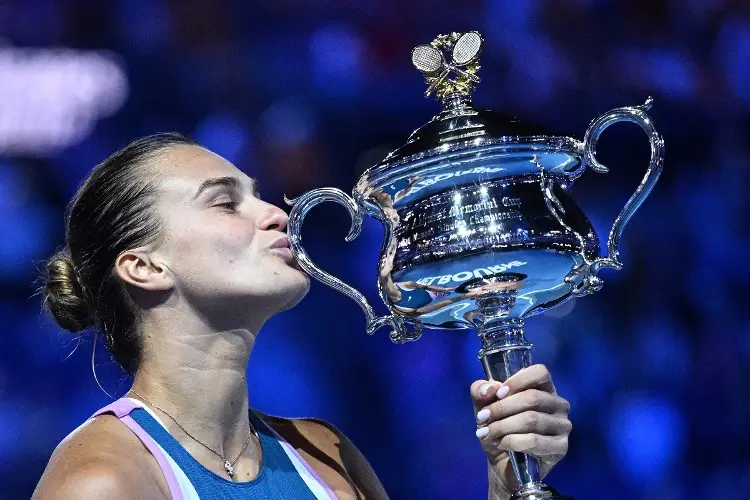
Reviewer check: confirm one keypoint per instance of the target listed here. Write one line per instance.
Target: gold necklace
(228, 466)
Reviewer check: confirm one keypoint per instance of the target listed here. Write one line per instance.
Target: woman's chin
(297, 290)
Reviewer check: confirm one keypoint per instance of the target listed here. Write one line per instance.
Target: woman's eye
(229, 205)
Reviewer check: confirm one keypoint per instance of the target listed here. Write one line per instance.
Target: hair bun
(64, 296)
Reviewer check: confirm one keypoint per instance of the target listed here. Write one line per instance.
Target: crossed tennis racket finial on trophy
(429, 59)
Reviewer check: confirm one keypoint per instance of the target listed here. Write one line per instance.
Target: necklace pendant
(229, 468)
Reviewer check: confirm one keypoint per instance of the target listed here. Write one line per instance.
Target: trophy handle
(634, 114)
(300, 207)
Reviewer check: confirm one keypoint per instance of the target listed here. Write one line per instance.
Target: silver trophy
(481, 229)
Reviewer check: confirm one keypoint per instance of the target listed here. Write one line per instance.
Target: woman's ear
(143, 270)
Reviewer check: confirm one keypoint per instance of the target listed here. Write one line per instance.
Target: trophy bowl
(481, 228)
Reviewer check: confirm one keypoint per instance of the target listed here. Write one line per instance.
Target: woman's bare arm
(102, 460)
(360, 470)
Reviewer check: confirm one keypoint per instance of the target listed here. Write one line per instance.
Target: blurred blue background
(303, 95)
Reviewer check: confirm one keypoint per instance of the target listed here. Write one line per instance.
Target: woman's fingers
(538, 434)
(484, 392)
(529, 400)
(532, 377)
(524, 415)
(528, 422)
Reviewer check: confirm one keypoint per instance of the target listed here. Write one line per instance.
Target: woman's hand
(524, 414)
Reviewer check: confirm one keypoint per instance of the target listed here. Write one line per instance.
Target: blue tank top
(277, 478)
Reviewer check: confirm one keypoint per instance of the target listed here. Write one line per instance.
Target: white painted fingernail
(503, 391)
(483, 415)
(482, 432)
(485, 388)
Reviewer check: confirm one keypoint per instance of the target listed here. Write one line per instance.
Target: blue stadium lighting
(646, 435)
(224, 133)
(336, 52)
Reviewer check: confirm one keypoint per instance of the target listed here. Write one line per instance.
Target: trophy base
(541, 492)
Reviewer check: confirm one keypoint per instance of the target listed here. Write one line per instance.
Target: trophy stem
(505, 351)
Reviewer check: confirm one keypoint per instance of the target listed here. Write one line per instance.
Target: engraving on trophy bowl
(480, 225)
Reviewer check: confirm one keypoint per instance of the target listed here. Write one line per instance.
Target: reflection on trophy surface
(481, 228)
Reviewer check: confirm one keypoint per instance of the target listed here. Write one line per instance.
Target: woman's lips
(282, 242)
(284, 252)
(282, 248)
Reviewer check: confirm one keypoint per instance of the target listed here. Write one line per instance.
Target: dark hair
(112, 211)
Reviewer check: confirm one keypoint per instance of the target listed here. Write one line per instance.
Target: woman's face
(226, 248)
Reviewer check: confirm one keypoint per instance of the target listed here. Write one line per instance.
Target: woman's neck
(198, 378)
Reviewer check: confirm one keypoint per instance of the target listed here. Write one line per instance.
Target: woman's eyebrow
(228, 181)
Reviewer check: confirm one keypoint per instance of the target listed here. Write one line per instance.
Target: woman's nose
(274, 219)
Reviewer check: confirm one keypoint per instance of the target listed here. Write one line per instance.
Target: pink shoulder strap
(121, 409)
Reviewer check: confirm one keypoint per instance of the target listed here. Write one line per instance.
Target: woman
(176, 262)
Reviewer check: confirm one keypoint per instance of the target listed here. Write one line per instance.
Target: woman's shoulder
(100, 459)
(314, 430)
(329, 452)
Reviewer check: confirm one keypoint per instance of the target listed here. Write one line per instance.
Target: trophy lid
(460, 126)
